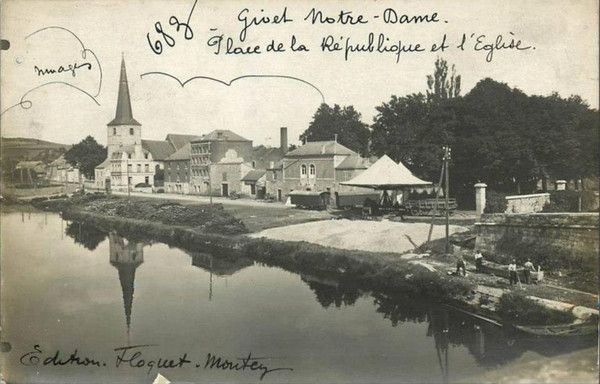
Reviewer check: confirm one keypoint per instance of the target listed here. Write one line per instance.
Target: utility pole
(447, 153)
(128, 187)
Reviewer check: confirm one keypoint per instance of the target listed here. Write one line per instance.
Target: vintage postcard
(204, 191)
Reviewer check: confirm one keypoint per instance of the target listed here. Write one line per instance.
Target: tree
(440, 87)
(399, 131)
(498, 135)
(86, 155)
(345, 122)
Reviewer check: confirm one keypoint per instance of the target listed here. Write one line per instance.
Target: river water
(66, 286)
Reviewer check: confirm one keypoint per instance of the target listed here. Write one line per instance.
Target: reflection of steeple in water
(126, 256)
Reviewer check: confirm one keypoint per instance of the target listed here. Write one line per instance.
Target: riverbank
(575, 367)
(215, 230)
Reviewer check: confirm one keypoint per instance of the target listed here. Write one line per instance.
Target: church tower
(126, 256)
(124, 130)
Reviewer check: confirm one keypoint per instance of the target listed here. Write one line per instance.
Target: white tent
(386, 174)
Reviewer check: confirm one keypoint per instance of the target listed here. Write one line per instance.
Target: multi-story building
(315, 166)
(177, 171)
(218, 162)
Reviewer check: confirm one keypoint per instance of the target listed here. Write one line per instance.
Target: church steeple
(126, 257)
(123, 115)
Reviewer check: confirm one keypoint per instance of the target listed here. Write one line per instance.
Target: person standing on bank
(478, 261)
(528, 268)
(512, 272)
(460, 264)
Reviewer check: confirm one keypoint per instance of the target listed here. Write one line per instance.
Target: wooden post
(435, 207)
(128, 187)
(447, 193)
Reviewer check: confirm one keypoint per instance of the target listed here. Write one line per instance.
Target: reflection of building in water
(330, 291)
(126, 256)
(87, 235)
(219, 266)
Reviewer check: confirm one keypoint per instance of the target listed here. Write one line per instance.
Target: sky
(562, 37)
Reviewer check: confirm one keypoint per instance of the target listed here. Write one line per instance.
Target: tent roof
(385, 174)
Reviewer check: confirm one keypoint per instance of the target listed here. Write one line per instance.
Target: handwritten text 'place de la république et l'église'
(250, 21)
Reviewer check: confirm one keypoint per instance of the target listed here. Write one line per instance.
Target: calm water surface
(66, 286)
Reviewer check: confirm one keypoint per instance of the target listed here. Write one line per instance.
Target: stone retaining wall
(527, 203)
(554, 240)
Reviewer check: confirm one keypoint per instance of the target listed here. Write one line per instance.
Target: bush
(589, 201)
(563, 201)
(495, 202)
(142, 185)
(518, 309)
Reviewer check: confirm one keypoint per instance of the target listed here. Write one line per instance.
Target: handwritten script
(348, 45)
(142, 357)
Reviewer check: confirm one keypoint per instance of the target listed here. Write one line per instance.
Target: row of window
(178, 188)
(170, 166)
(139, 168)
(200, 149)
(175, 188)
(200, 172)
(131, 132)
(145, 156)
(115, 180)
(200, 160)
(117, 167)
(312, 170)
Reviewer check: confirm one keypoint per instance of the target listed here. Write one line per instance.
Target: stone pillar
(479, 199)
(561, 185)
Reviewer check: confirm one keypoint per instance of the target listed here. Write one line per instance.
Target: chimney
(283, 140)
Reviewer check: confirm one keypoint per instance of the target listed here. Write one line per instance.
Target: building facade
(177, 171)
(218, 162)
(317, 166)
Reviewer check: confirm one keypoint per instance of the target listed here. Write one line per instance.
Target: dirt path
(365, 235)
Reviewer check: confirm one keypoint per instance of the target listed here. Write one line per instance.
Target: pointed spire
(123, 115)
(126, 257)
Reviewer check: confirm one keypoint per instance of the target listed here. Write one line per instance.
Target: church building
(132, 161)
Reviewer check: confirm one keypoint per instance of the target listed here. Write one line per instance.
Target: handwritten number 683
(157, 46)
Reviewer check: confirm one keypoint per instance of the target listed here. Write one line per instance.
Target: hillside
(15, 149)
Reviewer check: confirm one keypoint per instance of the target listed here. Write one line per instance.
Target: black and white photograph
(261, 191)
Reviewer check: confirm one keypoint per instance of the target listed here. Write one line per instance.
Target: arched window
(312, 170)
(303, 170)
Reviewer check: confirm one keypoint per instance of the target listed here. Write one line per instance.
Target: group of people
(513, 277)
